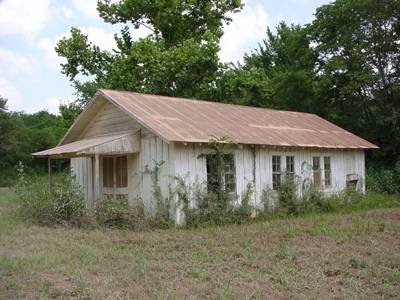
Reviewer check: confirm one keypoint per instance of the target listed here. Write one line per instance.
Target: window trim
(116, 172)
(231, 171)
(276, 172)
(317, 171)
(290, 161)
(327, 171)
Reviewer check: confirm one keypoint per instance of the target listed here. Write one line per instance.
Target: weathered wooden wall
(109, 119)
(253, 165)
(81, 168)
(154, 151)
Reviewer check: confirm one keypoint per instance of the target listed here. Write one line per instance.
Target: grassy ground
(354, 255)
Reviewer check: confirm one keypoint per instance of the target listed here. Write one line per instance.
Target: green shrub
(162, 216)
(288, 201)
(384, 181)
(315, 200)
(64, 203)
(209, 207)
(117, 212)
(242, 213)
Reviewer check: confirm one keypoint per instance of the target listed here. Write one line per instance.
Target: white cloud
(65, 11)
(87, 7)
(52, 105)
(244, 32)
(13, 63)
(10, 92)
(21, 16)
(100, 37)
(51, 58)
(95, 35)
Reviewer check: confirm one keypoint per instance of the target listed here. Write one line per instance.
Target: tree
(279, 74)
(289, 61)
(7, 141)
(179, 58)
(358, 42)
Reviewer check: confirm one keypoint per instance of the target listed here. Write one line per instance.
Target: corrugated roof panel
(78, 146)
(184, 120)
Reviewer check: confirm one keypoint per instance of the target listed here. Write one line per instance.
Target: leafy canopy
(179, 57)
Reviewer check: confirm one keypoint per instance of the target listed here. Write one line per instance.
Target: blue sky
(30, 76)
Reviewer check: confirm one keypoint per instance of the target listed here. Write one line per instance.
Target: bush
(209, 207)
(315, 200)
(64, 203)
(288, 201)
(117, 212)
(384, 181)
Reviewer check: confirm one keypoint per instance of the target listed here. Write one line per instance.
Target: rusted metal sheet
(120, 143)
(185, 120)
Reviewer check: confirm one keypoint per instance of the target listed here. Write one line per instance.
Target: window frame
(290, 161)
(317, 171)
(276, 171)
(118, 169)
(228, 169)
(327, 172)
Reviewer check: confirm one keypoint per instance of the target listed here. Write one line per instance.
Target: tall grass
(63, 203)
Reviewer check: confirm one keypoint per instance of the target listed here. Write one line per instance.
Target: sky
(30, 72)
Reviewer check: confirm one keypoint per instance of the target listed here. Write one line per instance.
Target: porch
(102, 166)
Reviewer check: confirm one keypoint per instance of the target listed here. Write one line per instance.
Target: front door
(115, 176)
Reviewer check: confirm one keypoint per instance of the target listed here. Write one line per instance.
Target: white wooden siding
(153, 150)
(193, 169)
(81, 168)
(244, 167)
(187, 162)
(109, 119)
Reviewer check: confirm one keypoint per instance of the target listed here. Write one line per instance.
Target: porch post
(96, 179)
(49, 172)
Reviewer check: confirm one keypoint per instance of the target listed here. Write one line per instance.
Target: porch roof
(109, 144)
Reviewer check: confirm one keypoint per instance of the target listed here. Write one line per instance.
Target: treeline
(344, 66)
(20, 135)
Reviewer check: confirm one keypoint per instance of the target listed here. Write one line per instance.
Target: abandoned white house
(120, 135)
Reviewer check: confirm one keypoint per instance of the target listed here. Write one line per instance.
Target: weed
(381, 227)
(117, 212)
(63, 203)
(161, 218)
(281, 250)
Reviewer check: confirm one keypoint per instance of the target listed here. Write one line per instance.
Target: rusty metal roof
(184, 120)
(78, 147)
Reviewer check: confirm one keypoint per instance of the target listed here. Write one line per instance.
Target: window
(115, 172)
(228, 172)
(317, 171)
(108, 172)
(290, 166)
(327, 171)
(276, 172)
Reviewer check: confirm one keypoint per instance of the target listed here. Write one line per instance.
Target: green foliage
(384, 181)
(7, 141)
(118, 213)
(288, 202)
(243, 212)
(358, 65)
(22, 134)
(64, 203)
(178, 58)
(161, 218)
(172, 21)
